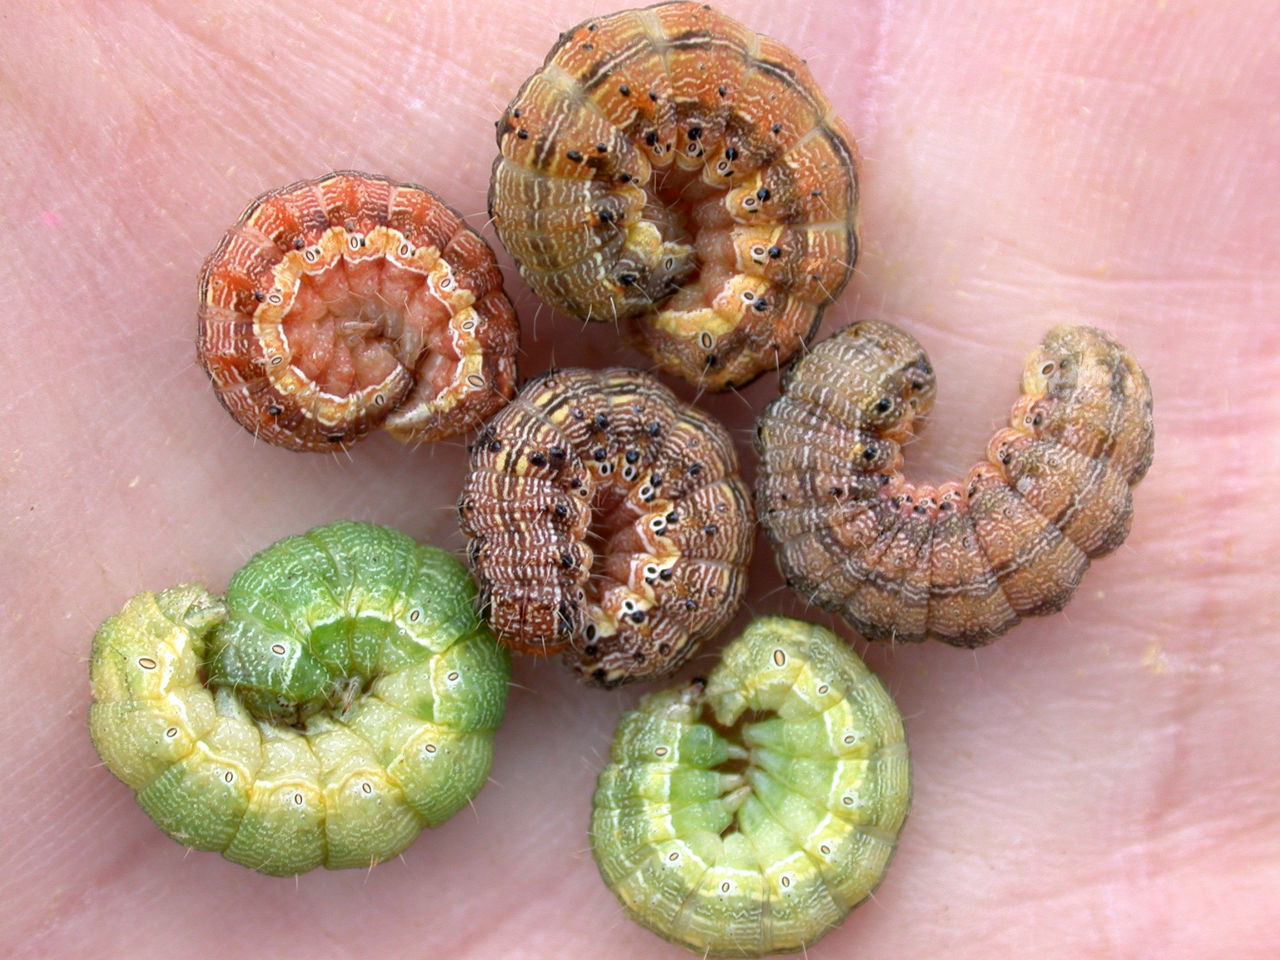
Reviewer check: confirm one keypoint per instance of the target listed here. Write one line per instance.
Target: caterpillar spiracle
(341, 696)
(749, 814)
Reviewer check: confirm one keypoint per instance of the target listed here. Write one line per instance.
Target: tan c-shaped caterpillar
(965, 561)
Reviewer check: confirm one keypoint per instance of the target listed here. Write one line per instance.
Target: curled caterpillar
(671, 169)
(349, 698)
(965, 561)
(608, 521)
(349, 302)
(749, 815)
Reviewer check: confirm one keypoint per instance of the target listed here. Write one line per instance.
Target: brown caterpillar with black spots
(608, 521)
(965, 561)
(672, 171)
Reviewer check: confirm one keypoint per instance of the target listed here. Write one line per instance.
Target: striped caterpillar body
(747, 816)
(350, 699)
(965, 561)
(350, 302)
(671, 169)
(608, 521)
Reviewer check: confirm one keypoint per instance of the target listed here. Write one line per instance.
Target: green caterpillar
(349, 699)
(748, 815)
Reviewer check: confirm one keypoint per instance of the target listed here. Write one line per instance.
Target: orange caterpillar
(349, 302)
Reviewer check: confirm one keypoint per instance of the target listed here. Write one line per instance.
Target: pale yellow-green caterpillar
(339, 698)
(748, 815)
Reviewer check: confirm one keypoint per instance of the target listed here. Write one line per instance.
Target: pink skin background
(1102, 783)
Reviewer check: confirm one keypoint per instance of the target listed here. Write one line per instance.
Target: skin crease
(1096, 784)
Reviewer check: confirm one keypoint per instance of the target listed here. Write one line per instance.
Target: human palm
(1099, 783)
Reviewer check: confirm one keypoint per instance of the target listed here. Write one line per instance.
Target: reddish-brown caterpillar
(962, 562)
(351, 301)
(669, 168)
(608, 521)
